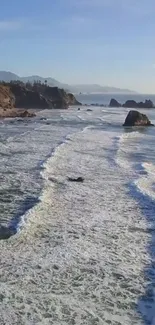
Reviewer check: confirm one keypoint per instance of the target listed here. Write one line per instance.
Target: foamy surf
(79, 259)
(146, 183)
(126, 144)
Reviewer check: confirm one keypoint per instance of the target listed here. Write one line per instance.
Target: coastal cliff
(15, 95)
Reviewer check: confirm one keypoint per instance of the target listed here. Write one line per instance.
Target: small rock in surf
(78, 179)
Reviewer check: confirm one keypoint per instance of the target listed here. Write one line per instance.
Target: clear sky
(109, 42)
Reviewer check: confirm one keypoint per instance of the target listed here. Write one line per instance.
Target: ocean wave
(146, 184)
(126, 145)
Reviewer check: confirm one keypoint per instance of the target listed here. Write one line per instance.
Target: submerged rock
(135, 118)
(114, 103)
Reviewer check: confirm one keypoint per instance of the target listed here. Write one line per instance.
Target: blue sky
(109, 42)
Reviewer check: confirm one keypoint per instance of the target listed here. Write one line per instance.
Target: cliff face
(19, 95)
(7, 99)
(25, 98)
(55, 97)
(72, 100)
(7, 104)
(58, 98)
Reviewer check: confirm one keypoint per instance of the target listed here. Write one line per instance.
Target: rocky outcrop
(58, 98)
(55, 97)
(146, 104)
(114, 103)
(41, 96)
(130, 104)
(134, 104)
(72, 100)
(25, 98)
(135, 118)
(15, 96)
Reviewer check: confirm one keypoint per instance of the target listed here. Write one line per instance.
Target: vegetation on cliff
(36, 95)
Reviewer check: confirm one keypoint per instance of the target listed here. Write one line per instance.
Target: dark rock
(130, 104)
(79, 109)
(134, 104)
(89, 110)
(135, 118)
(43, 119)
(114, 103)
(146, 104)
(25, 98)
(78, 179)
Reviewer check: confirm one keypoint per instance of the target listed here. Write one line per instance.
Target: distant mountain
(8, 76)
(76, 89)
(50, 81)
(93, 88)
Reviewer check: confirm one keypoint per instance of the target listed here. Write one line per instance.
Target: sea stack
(114, 103)
(135, 118)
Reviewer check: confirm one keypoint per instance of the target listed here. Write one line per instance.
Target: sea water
(82, 253)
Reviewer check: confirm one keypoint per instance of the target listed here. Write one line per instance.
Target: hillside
(76, 89)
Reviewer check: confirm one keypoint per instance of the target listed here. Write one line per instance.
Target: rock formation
(134, 104)
(135, 118)
(114, 103)
(72, 100)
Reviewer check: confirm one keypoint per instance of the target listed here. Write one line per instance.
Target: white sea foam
(127, 143)
(79, 259)
(146, 183)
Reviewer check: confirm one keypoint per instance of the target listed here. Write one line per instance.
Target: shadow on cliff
(146, 303)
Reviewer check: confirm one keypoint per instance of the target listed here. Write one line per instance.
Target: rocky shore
(16, 98)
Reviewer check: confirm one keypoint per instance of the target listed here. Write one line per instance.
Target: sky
(106, 42)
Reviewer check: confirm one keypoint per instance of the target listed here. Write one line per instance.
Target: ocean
(80, 253)
(104, 99)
